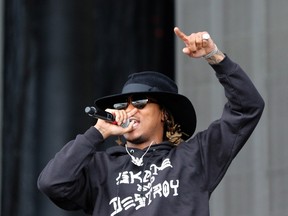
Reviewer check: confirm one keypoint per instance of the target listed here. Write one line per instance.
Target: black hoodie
(173, 180)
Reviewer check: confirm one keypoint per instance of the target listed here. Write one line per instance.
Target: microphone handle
(101, 114)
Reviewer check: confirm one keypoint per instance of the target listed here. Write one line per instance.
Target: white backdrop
(253, 34)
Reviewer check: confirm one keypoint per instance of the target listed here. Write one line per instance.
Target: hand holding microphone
(101, 114)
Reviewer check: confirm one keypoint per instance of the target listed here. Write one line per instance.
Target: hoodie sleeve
(224, 138)
(64, 179)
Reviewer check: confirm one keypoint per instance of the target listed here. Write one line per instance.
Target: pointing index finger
(181, 35)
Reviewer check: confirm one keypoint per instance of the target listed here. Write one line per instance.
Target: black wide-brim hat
(160, 87)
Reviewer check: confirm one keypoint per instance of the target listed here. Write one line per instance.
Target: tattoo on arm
(216, 59)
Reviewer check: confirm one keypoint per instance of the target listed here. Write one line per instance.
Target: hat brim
(179, 105)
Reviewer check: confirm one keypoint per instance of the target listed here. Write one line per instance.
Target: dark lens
(120, 106)
(140, 104)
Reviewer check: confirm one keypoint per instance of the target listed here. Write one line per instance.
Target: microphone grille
(125, 124)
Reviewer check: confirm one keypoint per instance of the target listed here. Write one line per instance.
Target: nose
(130, 107)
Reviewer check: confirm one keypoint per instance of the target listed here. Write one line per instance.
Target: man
(161, 169)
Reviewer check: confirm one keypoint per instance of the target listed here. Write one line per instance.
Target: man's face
(147, 123)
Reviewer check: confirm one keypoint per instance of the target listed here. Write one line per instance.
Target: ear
(163, 115)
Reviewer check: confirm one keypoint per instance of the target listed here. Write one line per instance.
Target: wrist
(102, 131)
(215, 56)
(212, 53)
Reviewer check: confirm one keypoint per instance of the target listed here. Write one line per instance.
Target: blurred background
(58, 56)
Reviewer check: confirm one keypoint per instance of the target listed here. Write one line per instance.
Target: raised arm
(224, 138)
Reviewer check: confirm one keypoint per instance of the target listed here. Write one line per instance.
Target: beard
(138, 140)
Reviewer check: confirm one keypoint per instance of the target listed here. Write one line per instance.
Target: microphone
(101, 114)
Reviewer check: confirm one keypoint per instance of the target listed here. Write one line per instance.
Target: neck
(140, 145)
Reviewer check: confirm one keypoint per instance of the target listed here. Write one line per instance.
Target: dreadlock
(172, 131)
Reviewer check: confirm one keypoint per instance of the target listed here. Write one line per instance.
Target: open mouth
(135, 122)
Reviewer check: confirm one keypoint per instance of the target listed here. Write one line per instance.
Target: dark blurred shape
(62, 54)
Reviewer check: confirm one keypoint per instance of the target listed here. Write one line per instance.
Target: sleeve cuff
(226, 66)
(93, 135)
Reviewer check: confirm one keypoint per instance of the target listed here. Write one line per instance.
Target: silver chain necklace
(135, 160)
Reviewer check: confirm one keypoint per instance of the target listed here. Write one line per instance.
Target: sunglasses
(137, 103)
